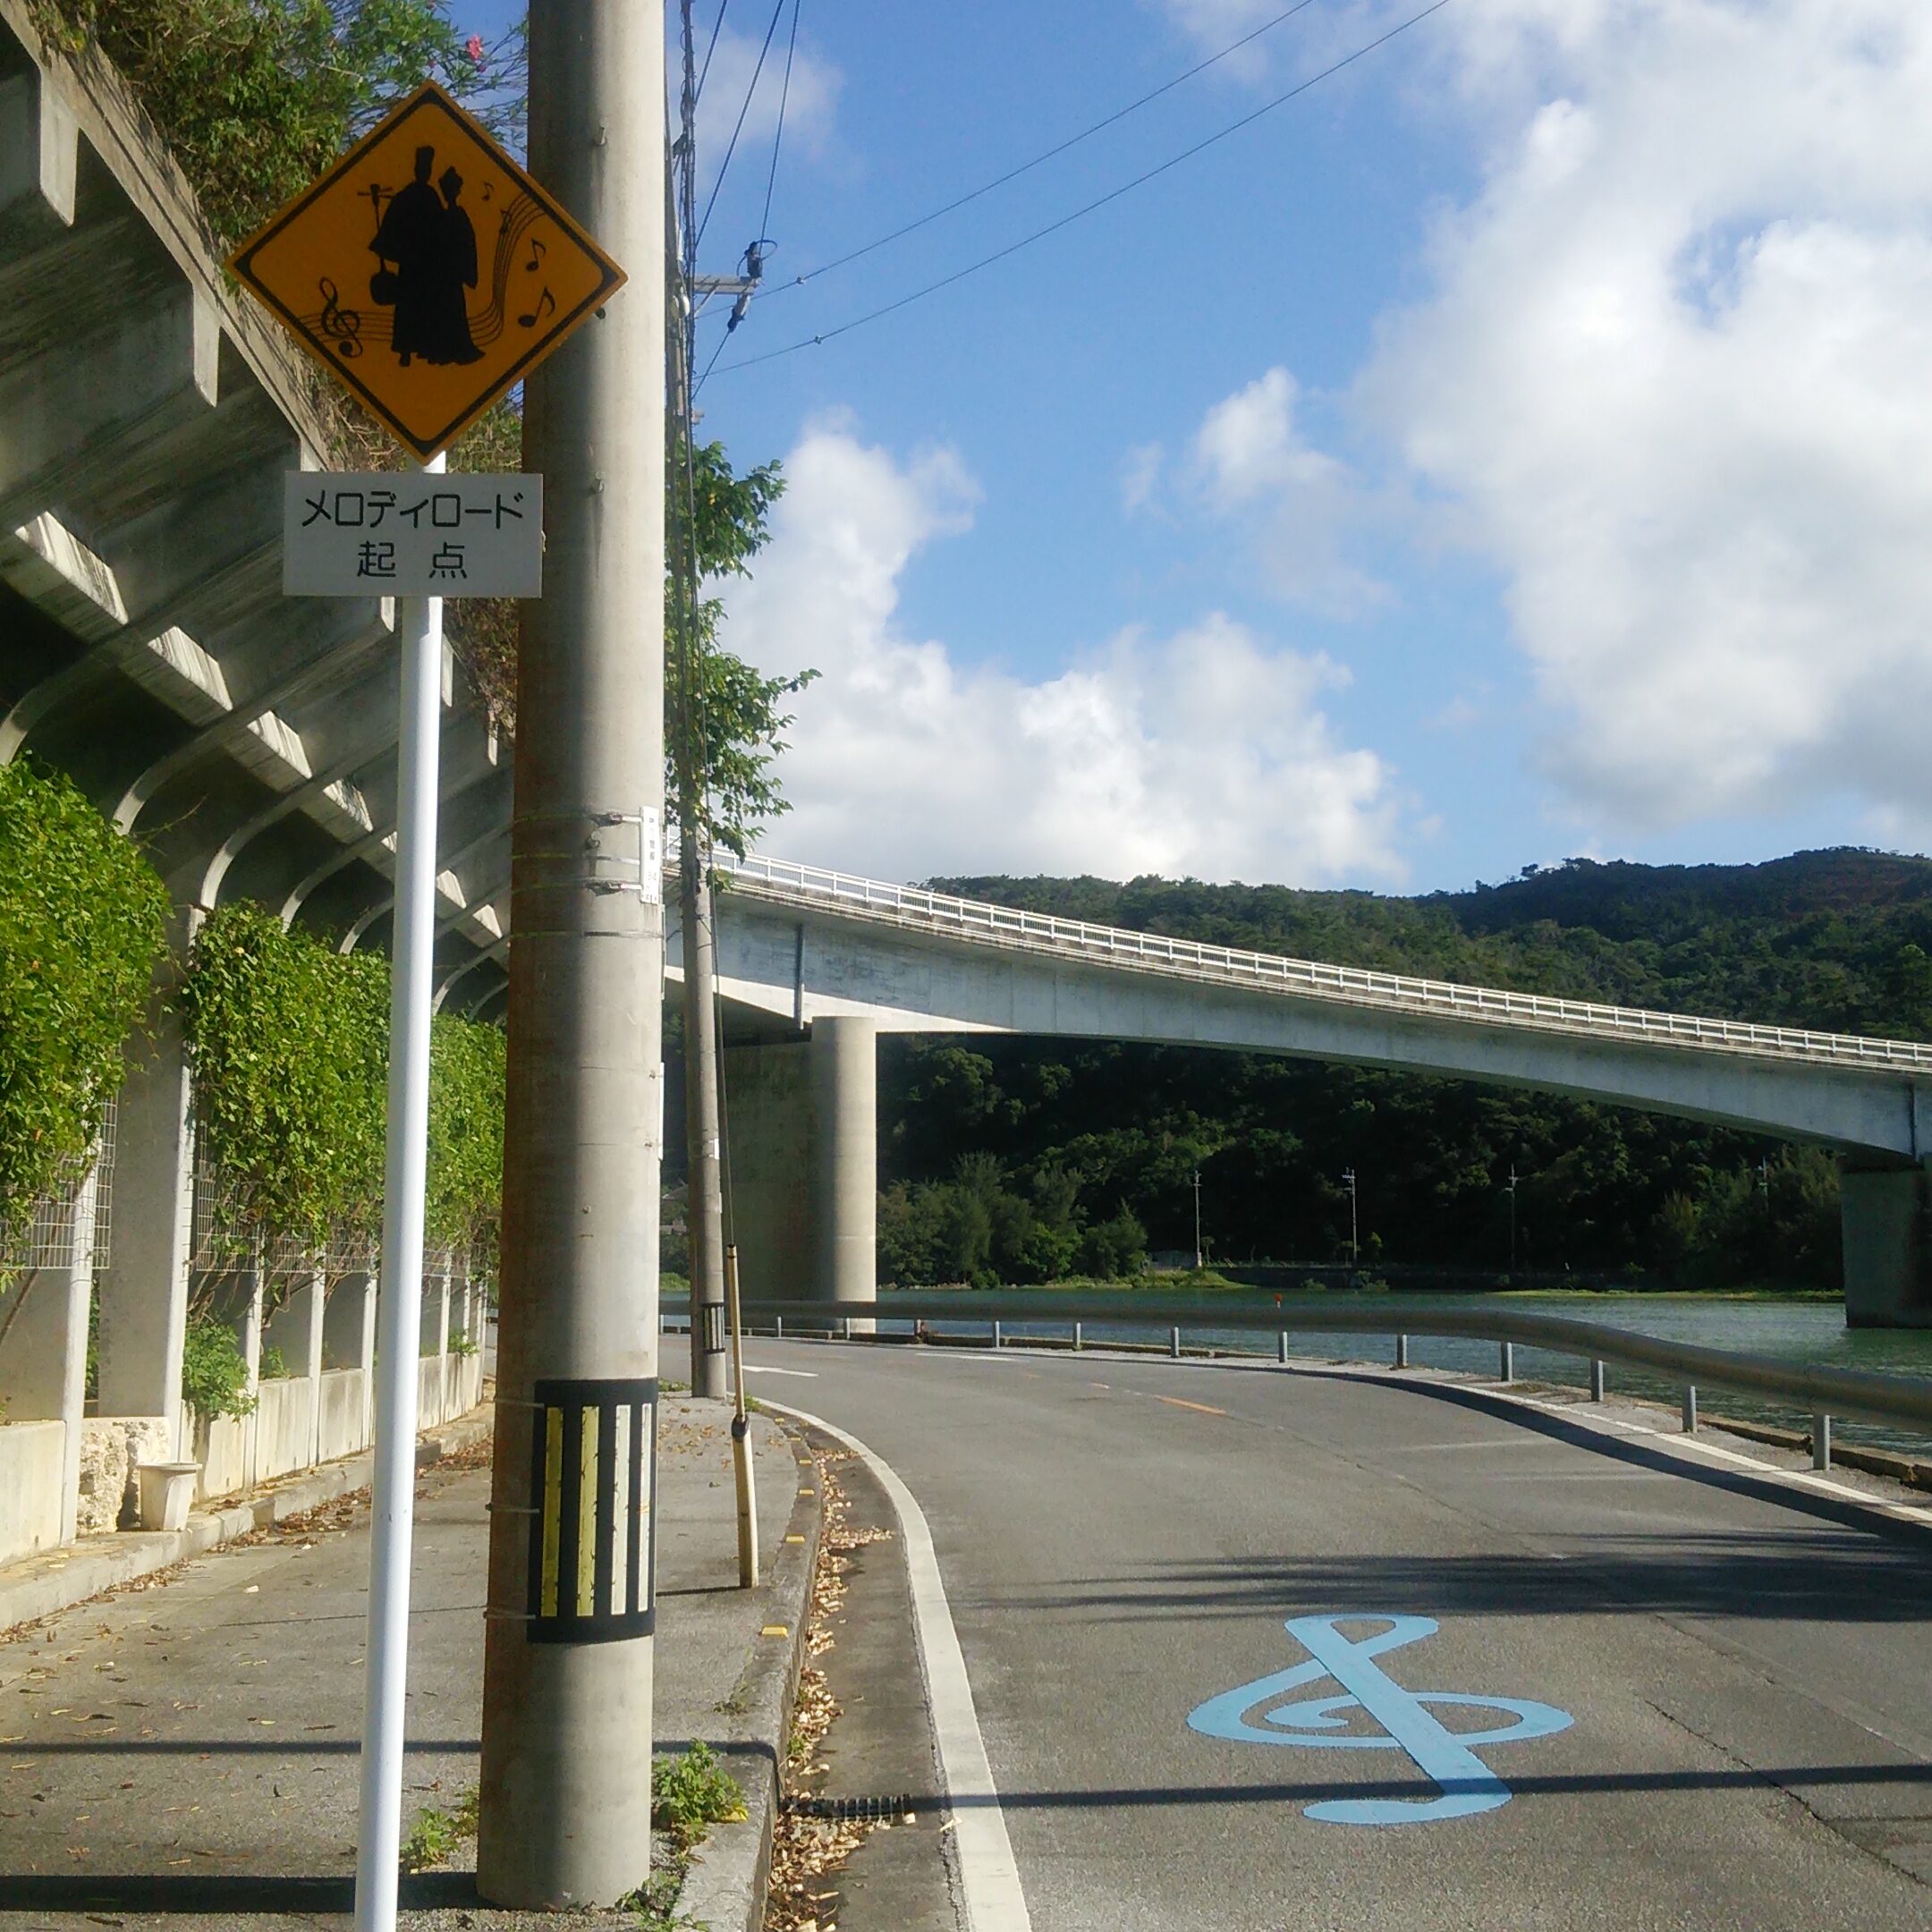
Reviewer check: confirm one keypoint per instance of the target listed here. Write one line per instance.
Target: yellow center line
(1201, 1408)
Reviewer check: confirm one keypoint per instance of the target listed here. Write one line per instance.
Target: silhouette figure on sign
(457, 264)
(429, 239)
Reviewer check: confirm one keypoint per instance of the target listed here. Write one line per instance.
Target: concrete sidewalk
(187, 1748)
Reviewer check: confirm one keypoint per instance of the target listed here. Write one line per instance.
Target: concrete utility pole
(704, 1194)
(1197, 1222)
(567, 1673)
(1354, 1230)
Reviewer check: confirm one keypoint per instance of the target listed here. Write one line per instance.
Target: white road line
(989, 1877)
(808, 1375)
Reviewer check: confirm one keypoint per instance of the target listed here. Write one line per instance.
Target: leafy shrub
(82, 924)
(214, 1369)
(691, 1792)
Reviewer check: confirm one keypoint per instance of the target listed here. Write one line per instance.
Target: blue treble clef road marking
(1467, 1785)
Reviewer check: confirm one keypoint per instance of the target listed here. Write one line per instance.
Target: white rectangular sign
(411, 533)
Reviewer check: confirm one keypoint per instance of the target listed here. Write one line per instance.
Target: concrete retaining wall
(284, 1427)
(33, 1457)
(345, 1413)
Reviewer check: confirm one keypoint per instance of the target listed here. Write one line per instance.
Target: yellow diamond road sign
(427, 270)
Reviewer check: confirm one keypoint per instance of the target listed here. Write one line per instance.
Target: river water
(1791, 1330)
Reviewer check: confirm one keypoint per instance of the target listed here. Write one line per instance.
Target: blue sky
(1503, 450)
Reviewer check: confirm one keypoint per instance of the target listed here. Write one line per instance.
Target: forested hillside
(1023, 1159)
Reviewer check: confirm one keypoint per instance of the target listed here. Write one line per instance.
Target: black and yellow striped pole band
(593, 1554)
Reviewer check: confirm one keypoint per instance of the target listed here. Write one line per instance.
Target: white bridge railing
(1007, 926)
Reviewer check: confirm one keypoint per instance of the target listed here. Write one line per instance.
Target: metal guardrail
(1857, 1394)
(985, 924)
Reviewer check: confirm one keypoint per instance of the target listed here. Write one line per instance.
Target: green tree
(255, 97)
(727, 718)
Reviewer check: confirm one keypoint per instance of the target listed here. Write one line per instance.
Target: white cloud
(810, 103)
(1676, 373)
(1205, 751)
(1299, 505)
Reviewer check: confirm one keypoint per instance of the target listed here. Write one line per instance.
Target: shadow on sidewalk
(219, 1892)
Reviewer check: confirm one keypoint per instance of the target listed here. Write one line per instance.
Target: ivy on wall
(466, 1130)
(82, 924)
(291, 1045)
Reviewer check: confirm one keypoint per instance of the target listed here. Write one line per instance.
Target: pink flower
(473, 47)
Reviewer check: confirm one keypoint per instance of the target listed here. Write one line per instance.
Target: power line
(717, 27)
(1139, 180)
(1039, 160)
(731, 147)
(785, 95)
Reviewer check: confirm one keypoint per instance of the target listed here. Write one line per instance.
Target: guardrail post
(845, 1328)
(1402, 1351)
(1173, 1341)
(1282, 1357)
(1821, 1442)
(995, 1333)
(1509, 1361)
(1689, 1409)
(1596, 1381)
(1076, 1338)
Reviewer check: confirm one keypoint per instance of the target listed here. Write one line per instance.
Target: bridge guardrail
(1859, 1395)
(1358, 985)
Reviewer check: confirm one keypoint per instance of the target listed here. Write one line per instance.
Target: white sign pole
(399, 1302)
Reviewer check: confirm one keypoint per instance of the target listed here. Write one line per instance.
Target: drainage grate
(864, 1810)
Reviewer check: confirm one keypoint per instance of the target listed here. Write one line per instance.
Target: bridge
(826, 962)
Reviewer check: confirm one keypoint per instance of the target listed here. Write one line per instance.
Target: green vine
(291, 1045)
(82, 924)
(466, 1131)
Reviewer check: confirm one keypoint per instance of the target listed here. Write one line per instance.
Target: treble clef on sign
(342, 327)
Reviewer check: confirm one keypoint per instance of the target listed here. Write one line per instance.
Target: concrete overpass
(826, 962)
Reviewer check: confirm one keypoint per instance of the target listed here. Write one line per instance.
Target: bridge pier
(1882, 1220)
(803, 1126)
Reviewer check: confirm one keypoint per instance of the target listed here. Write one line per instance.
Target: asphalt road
(1746, 1671)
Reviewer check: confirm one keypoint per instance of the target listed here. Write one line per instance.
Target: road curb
(724, 1888)
(42, 1586)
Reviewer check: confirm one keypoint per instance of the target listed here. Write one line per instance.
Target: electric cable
(1039, 160)
(717, 27)
(1065, 221)
(785, 95)
(731, 145)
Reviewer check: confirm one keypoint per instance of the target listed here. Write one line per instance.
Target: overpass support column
(845, 1086)
(144, 1288)
(804, 1124)
(1883, 1222)
(767, 1098)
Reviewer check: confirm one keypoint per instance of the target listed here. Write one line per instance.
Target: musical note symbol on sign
(537, 252)
(545, 303)
(1467, 1785)
(341, 326)
(487, 194)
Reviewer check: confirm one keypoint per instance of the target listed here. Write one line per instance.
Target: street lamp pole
(1512, 1218)
(1198, 1261)
(1354, 1228)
